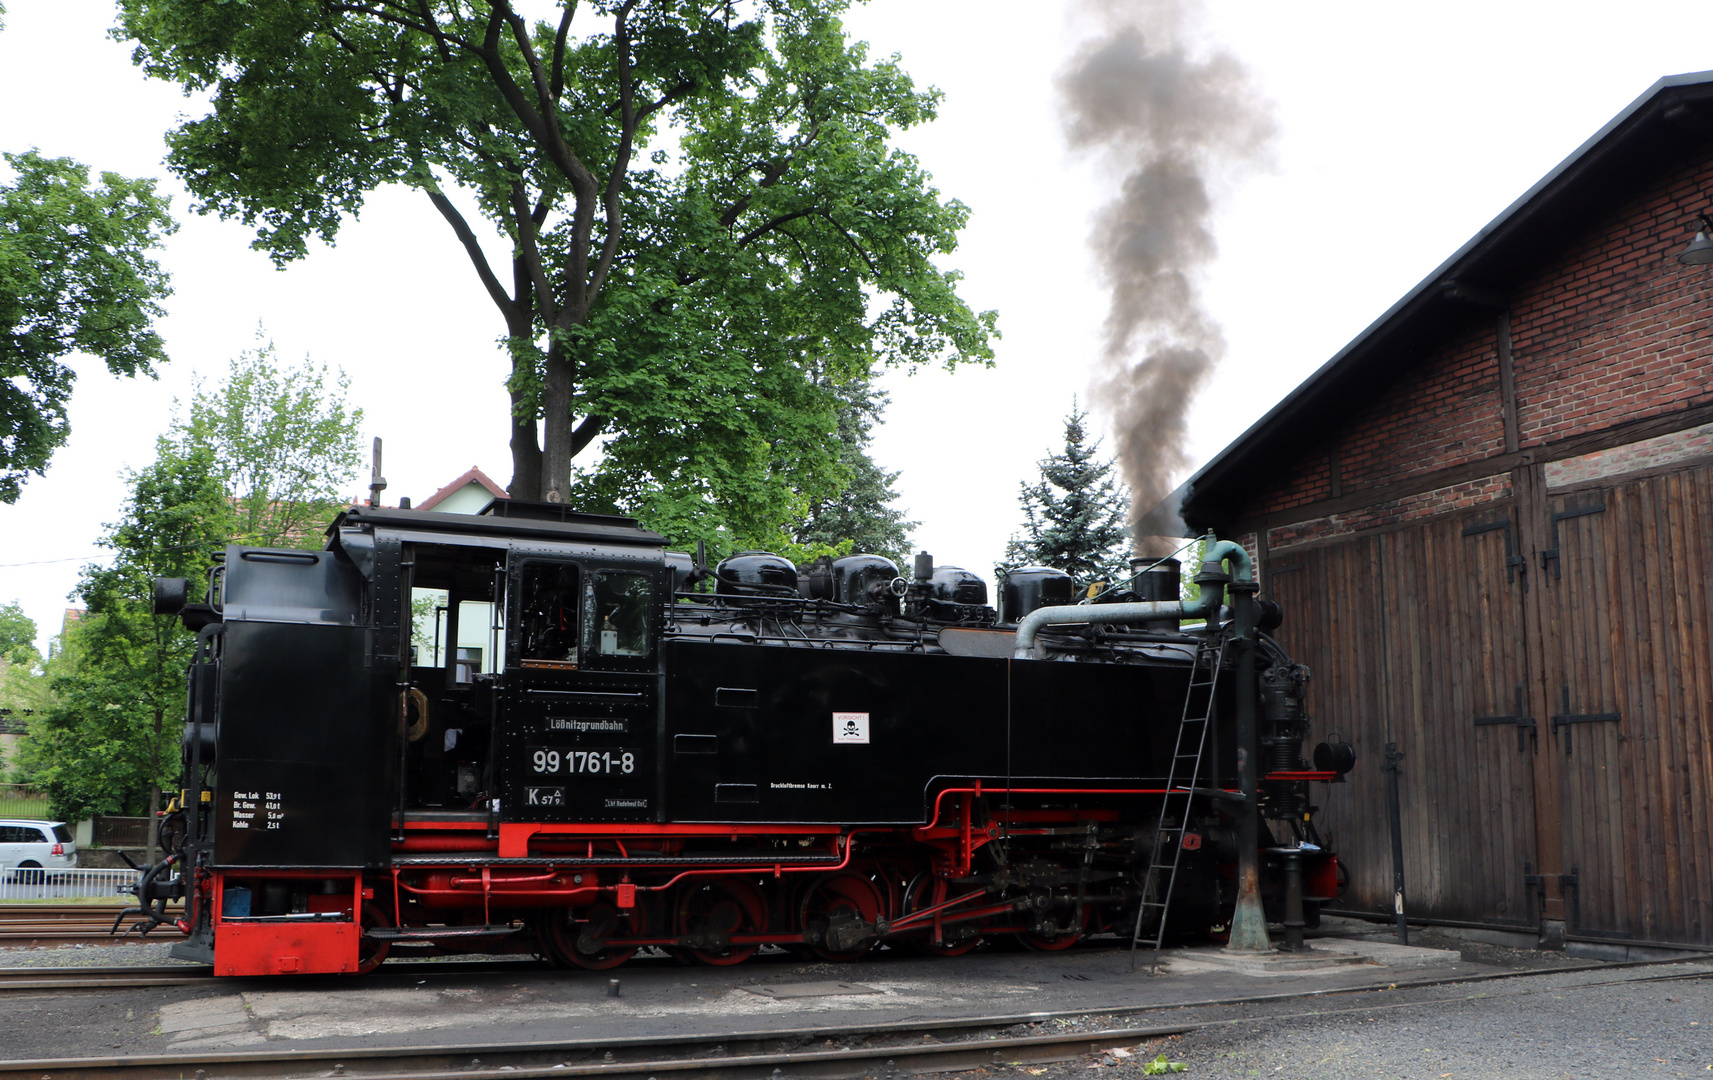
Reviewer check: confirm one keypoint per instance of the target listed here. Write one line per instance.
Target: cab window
(548, 612)
(620, 603)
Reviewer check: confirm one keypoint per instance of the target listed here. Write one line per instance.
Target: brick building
(1491, 520)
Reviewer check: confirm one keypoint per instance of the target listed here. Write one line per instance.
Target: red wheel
(957, 937)
(1054, 937)
(710, 912)
(834, 907)
(370, 952)
(577, 938)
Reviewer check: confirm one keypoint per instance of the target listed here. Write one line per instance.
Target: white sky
(1403, 129)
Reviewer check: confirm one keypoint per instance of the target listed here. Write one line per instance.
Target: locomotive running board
(429, 933)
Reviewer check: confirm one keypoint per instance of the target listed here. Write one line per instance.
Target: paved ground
(1559, 1026)
(1544, 1028)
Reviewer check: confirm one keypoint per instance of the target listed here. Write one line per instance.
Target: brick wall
(1617, 329)
(1680, 447)
(1394, 511)
(1443, 412)
(1614, 330)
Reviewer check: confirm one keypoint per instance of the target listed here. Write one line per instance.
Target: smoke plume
(1176, 127)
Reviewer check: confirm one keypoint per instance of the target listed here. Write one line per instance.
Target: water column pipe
(1249, 921)
(1212, 580)
(1249, 924)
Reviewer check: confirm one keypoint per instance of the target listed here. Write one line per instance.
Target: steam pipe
(1212, 580)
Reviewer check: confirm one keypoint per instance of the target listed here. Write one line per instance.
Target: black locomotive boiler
(536, 730)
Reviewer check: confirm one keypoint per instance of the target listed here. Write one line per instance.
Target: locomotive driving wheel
(841, 911)
(957, 938)
(711, 911)
(370, 951)
(1055, 934)
(576, 937)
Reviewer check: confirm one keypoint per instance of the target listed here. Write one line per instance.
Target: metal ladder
(1193, 729)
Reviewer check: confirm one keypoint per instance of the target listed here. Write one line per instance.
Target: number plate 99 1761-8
(547, 761)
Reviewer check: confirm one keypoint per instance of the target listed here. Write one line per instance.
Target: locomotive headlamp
(170, 595)
(1700, 250)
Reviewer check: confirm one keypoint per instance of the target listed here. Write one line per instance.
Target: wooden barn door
(1626, 698)
(1332, 625)
(1416, 637)
(1456, 680)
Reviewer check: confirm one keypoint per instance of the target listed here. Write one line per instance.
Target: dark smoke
(1176, 126)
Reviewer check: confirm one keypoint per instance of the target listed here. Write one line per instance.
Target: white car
(35, 845)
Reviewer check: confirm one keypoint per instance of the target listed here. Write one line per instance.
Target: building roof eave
(1475, 277)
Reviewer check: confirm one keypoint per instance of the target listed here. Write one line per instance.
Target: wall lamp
(1700, 250)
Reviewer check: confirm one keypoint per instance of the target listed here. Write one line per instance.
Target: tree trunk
(556, 423)
(154, 822)
(526, 452)
(525, 444)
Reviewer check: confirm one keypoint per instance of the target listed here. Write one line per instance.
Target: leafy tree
(859, 515)
(259, 460)
(75, 277)
(105, 745)
(703, 213)
(284, 444)
(1074, 517)
(18, 636)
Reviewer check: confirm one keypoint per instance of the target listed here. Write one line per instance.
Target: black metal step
(436, 933)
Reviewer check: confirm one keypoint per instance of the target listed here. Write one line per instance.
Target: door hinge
(1514, 563)
(1566, 718)
(1551, 554)
(1525, 724)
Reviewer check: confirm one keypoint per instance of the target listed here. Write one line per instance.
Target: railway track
(820, 1053)
(53, 925)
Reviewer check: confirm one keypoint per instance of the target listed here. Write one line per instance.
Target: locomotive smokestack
(1175, 125)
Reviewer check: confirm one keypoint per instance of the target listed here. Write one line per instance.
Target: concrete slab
(1323, 955)
(787, 991)
(202, 1013)
(1389, 953)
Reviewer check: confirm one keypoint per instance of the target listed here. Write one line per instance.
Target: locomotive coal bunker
(824, 758)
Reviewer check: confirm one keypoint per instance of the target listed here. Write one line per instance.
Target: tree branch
(767, 227)
(556, 84)
(586, 432)
(771, 175)
(851, 240)
(461, 228)
(621, 160)
(532, 253)
(544, 129)
(430, 27)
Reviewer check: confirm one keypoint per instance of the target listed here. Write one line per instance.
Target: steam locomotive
(536, 730)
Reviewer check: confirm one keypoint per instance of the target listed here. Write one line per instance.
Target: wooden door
(1416, 637)
(1456, 678)
(1625, 613)
(1332, 625)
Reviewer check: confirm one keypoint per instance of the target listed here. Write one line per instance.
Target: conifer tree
(1074, 517)
(861, 511)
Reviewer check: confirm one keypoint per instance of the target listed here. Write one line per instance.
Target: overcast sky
(1403, 128)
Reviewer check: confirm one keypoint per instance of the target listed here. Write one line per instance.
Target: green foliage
(1161, 1067)
(259, 460)
(859, 516)
(18, 637)
(1074, 517)
(75, 277)
(283, 442)
(111, 734)
(708, 227)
